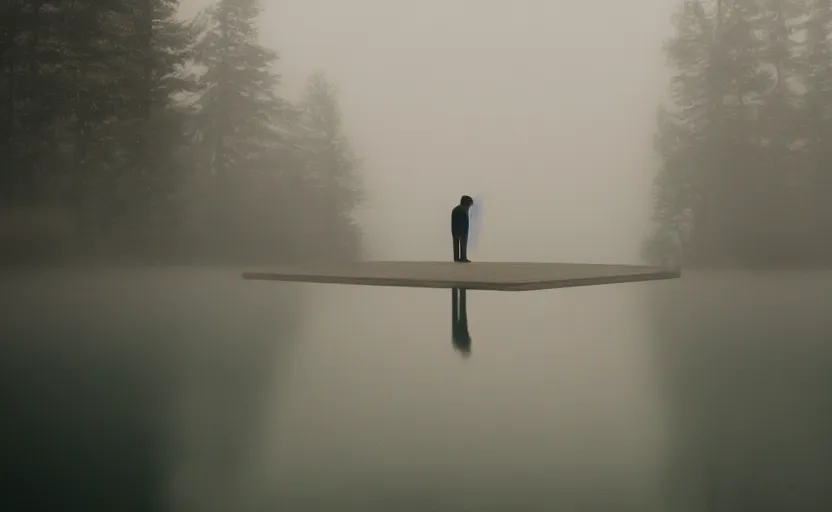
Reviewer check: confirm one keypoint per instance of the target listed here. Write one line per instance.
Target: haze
(543, 110)
(142, 373)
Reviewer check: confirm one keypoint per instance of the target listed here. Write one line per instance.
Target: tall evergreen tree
(777, 183)
(815, 130)
(102, 129)
(331, 168)
(733, 185)
(239, 128)
(686, 124)
(152, 121)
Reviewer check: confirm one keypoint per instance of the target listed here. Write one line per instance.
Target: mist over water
(136, 389)
(193, 390)
(153, 378)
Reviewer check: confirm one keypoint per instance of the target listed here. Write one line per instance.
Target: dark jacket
(459, 221)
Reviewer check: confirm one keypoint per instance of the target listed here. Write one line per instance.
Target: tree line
(128, 134)
(745, 139)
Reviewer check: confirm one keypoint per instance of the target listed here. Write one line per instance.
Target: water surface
(186, 389)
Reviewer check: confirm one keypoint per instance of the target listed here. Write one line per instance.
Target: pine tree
(151, 126)
(330, 168)
(51, 46)
(684, 126)
(240, 128)
(101, 127)
(727, 137)
(32, 87)
(772, 231)
(815, 131)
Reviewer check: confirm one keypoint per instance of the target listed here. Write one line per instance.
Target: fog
(544, 111)
(171, 384)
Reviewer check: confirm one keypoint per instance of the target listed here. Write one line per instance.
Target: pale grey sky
(544, 109)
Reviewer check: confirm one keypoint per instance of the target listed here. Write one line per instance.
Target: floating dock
(498, 276)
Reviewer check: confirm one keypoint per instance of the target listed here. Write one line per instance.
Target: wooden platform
(470, 276)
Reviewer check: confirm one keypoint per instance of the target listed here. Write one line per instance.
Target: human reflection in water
(459, 322)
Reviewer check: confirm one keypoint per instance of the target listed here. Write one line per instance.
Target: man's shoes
(466, 260)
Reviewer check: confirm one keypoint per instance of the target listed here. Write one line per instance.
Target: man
(459, 229)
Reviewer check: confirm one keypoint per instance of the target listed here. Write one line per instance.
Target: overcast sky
(542, 109)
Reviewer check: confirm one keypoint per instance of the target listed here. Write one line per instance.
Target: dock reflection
(459, 322)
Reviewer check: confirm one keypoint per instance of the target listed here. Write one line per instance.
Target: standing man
(459, 229)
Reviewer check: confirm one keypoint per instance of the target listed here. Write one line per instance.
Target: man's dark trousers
(460, 247)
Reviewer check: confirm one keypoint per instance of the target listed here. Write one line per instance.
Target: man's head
(466, 201)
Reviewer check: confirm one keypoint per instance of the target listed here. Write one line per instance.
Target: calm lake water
(192, 390)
